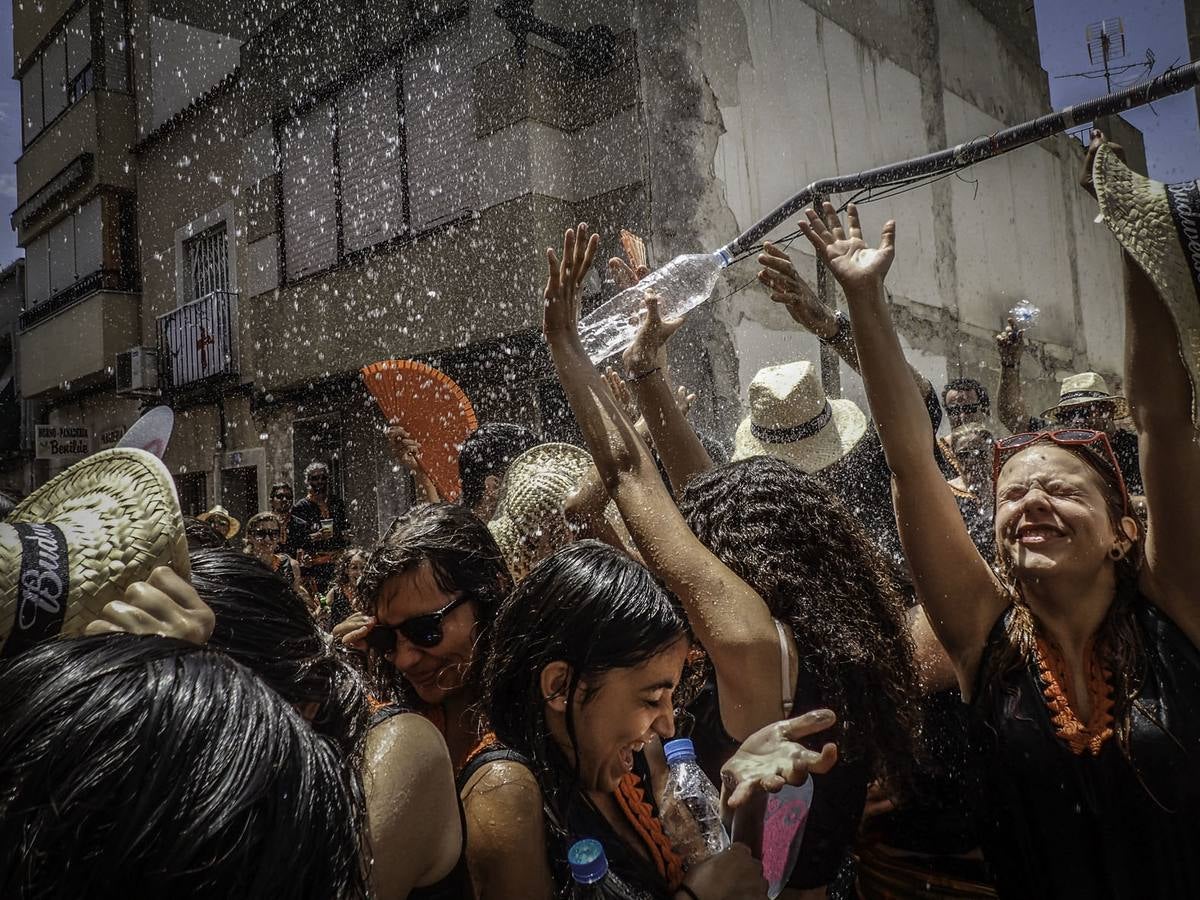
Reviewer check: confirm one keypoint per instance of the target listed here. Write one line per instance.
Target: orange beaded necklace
(1080, 738)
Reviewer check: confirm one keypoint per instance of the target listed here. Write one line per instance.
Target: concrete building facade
(287, 191)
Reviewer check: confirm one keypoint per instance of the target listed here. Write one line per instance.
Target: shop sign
(108, 439)
(63, 442)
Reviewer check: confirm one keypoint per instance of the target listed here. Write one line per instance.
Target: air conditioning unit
(137, 371)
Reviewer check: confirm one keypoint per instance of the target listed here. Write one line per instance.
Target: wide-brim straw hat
(1086, 388)
(216, 514)
(529, 523)
(792, 419)
(1159, 226)
(77, 542)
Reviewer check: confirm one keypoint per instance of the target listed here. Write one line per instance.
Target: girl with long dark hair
(578, 677)
(783, 630)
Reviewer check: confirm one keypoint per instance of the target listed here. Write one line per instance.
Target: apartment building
(231, 207)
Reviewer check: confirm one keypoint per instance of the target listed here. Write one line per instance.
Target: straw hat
(78, 541)
(219, 514)
(792, 419)
(1085, 388)
(529, 523)
(1159, 226)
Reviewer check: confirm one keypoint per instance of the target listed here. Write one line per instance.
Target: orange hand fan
(431, 408)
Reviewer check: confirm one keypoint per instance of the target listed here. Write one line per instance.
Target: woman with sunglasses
(263, 535)
(579, 674)
(1079, 656)
(428, 592)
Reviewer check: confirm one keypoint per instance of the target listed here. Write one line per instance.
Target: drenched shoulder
(409, 738)
(503, 800)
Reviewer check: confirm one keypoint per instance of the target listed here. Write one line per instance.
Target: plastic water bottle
(682, 285)
(691, 811)
(590, 875)
(1024, 314)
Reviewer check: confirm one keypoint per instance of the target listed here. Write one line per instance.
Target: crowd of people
(913, 666)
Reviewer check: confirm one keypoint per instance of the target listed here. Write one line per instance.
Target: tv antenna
(1106, 44)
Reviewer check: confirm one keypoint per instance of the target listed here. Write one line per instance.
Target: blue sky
(1172, 136)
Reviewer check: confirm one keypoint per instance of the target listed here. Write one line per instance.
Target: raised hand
(561, 316)
(649, 348)
(773, 756)
(1010, 342)
(684, 400)
(164, 604)
(787, 287)
(621, 393)
(406, 450)
(855, 265)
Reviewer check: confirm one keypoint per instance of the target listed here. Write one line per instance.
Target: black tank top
(1060, 825)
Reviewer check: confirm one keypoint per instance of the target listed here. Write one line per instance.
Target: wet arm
(678, 446)
(1009, 399)
(953, 582)
(1160, 396)
(506, 834)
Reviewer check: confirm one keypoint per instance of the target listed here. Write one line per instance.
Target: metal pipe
(1173, 81)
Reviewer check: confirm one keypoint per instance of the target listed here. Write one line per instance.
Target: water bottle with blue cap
(691, 806)
(591, 877)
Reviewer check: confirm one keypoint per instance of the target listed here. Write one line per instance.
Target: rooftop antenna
(1106, 42)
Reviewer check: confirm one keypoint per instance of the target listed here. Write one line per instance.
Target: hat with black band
(77, 542)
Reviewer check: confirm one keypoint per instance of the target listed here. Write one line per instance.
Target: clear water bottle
(682, 285)
(591, 877)
(691, 806)
(1024, 314)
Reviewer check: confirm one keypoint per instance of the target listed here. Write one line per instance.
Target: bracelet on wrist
(843, 327)
(643, 375)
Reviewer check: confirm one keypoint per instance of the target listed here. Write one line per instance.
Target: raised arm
(408, 453)
(678, 446)
(961, 596)
(1009, 400)
(1160, 397)
(730, 620)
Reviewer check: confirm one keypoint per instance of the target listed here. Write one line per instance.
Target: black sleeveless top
(583, 821)
(1106, 826)
(456, 885)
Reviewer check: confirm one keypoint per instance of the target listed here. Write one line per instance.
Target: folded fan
(431, 407)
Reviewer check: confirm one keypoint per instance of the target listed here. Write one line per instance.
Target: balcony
(72, 339)
(197, 343)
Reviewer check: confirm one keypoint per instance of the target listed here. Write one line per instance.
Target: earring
(1115, 553)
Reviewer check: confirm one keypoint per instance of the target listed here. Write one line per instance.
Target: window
(343, 162)
(207, 256)
(62, 73)
(72, 249)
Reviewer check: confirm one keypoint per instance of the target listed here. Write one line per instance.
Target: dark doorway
(239, 491)
(193, 492)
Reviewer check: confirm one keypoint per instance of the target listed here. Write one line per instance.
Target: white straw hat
(1084, 388)
(1159, 226)
(792, 419)
(529, 522)
(77, 542)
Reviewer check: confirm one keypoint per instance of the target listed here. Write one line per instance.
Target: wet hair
(282, 485)
(588, 605)
(264, 624)
(489, 450)
(314, 467)
(463, 556)
(200, 535)
(788, 537)
(717, 451)
(968, 384)
(1118, 635)
(341, 569)
(148, 767)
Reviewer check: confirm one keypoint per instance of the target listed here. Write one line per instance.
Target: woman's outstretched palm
(852, 262)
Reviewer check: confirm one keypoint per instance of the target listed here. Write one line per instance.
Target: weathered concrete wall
(804, 93)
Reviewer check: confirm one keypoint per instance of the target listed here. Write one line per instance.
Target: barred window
(207, 256)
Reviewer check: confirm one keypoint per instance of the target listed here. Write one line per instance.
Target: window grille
(207, 256)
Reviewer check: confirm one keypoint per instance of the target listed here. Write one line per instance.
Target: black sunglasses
(265, 534)
(963, 409)
(424, 631)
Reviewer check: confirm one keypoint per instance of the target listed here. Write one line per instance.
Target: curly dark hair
(464, 557)
(969, 384)
(790, 539)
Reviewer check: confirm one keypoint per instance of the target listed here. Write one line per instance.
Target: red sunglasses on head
(1096, 442)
